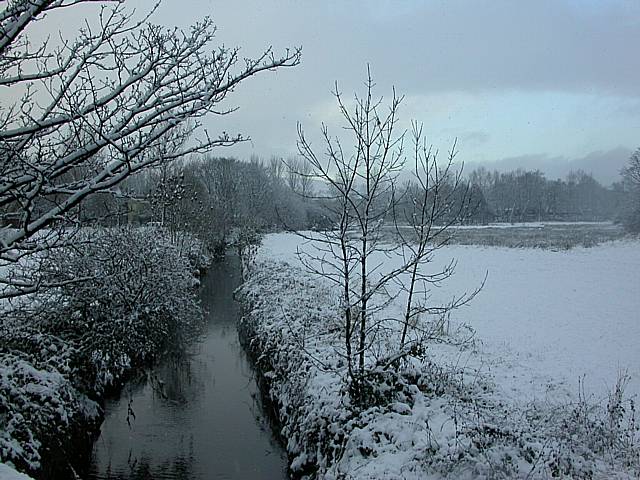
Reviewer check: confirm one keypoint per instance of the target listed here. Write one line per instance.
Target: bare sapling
(438, 200)
(359, 188)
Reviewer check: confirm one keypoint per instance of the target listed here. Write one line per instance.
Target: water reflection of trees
(186, 384)
(179, 380)
(178, 468)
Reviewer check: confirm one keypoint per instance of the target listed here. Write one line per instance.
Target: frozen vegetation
(67, 346)
(548, 235)
(535, 378)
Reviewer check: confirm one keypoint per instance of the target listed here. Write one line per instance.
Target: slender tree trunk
(347, 307)
(407, 314)
(363, 305)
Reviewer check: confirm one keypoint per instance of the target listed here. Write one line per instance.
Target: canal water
(196, 417)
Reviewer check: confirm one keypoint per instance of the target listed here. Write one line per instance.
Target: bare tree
(299, 176)
(363, 184)
(631, 172)
(117, 94)
(362, 195)
(422, 233)
(275, 167)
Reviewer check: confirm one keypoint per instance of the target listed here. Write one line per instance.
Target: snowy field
(544, 320)
(533, 395)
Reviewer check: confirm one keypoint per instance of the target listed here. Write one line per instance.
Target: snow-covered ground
(545, 319)
(8, 473)
(527, 225)
(531, 397)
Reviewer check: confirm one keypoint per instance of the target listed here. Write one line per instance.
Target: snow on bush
(427, 420)
(123, 296)
(138, 294)
(37, 405)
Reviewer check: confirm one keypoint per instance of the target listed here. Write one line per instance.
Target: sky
(549, 84)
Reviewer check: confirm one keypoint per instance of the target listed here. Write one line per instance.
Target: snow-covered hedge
(427, 420)
(138, 295)
(66, 345)
(39, 406)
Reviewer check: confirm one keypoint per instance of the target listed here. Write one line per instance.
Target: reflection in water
(197, 415)
(178, 469)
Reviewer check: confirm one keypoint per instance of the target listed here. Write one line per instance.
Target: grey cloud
(474, 138)
(420, 47)
(522, 45)
(438, 45)
(433, 46)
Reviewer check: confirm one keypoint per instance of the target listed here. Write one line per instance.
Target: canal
(198, 416)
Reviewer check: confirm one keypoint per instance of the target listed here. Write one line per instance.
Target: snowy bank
(480, 409)
(544, 318)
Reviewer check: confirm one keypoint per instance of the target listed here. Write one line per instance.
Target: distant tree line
(527, 195)
(214, 198)
(630, 215)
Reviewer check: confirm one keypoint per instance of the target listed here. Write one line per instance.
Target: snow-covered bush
(9, 473)
(284, 330)
(187, 245)
(247, 243)
(114, 302)
(38, 406)
(137, 294)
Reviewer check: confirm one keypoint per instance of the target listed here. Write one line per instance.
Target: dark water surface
(198, 417)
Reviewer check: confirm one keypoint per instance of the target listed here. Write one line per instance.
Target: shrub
(38, 405)
(137, 295)
(117, 299)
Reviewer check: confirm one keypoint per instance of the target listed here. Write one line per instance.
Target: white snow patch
(8, 473)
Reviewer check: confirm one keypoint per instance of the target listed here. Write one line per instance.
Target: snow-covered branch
(121, 91)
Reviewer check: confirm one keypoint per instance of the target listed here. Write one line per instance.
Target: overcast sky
(540, 84)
